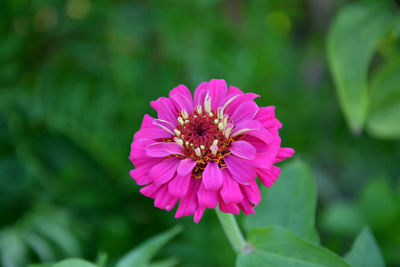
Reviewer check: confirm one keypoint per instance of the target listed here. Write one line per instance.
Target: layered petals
(206, 151)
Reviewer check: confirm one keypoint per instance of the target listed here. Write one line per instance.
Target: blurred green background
(77, 76)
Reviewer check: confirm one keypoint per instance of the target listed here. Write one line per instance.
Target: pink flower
(207, 150)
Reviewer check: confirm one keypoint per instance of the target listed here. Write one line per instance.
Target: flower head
(207, 150)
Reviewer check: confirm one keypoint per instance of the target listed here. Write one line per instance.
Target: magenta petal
(162, 149)
(245, 111)
(246, 206)
(198, 214)
(186, 166)
(164, 200)
(233, 106)
(200, 93)
(181, 89)
(166, 110)
(141, 176)
(150, 190)
(252, 192)
(218, 90)
(234, 91)
(212, 176)
(164, 171)
(188, 204)
(182, 102)
(284, 153)
(179, 185)
(240, 169)
(207, 198)
(230, 191)
(263, 160)
(243, 127)
(151, 133)
(243, 149)
(268, 176)
(228, 208)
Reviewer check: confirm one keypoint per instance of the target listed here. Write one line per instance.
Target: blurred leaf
(275, 246)
(141, 255)
(169, 262)
(13, 250)
(378, 203)
(384, 112)
(352, 41)
(289, 203)
(74, 263)
(365, 252)
(342, 218)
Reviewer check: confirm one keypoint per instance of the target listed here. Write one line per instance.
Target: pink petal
(165, 110)
(188, 204)
(186, 166)
(179, 185)
(164, 200)
(245, 111)
(182, 102)
(198, 214)
(162, 149)
(164, 171)
(200, 93)
(150, 190)
(240, 169)
(266, 115)
(147, 121)
(243, 127)
(268, 176)
(246, 206)
(243, 149)
(151, 133)
(234, 91)
(181, 89)
(228, 208)
(230, 191)
(232, 107)
(138, 148)
(141, 176)
(263, 160)
(284, 153)
(217, 90)
(212, 176)
(207, 198)
(252, 192)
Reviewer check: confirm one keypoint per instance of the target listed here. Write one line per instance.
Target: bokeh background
(77, 76)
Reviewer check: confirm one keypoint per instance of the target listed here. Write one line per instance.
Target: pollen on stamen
(214, 149)
(197, 151)
(211, 114)
(216, 121)
(220, 126)
(184, 113)
(180, 120)
(178, 141)
(177, 132)
(199, 110)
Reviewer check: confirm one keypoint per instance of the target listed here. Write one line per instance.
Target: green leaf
(365, 252)
(384, 112)
(342, 218)
(74, 262)
(289, 203)
(352, 41)
(275, 246)
(378, 203)
(141, 255)
(169, 262)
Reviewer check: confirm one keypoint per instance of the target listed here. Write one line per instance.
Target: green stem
(231, 230)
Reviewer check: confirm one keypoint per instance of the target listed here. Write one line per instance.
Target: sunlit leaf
(275, 246)
(354, 36)
(141, 255)
(289, 203)
(365, 252)
(74, 263)
(384, 112)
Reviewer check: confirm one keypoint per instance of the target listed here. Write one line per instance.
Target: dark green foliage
(74, 86)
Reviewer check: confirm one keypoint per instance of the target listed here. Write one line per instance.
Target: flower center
(204, 135)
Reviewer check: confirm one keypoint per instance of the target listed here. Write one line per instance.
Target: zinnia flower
(207, 150)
